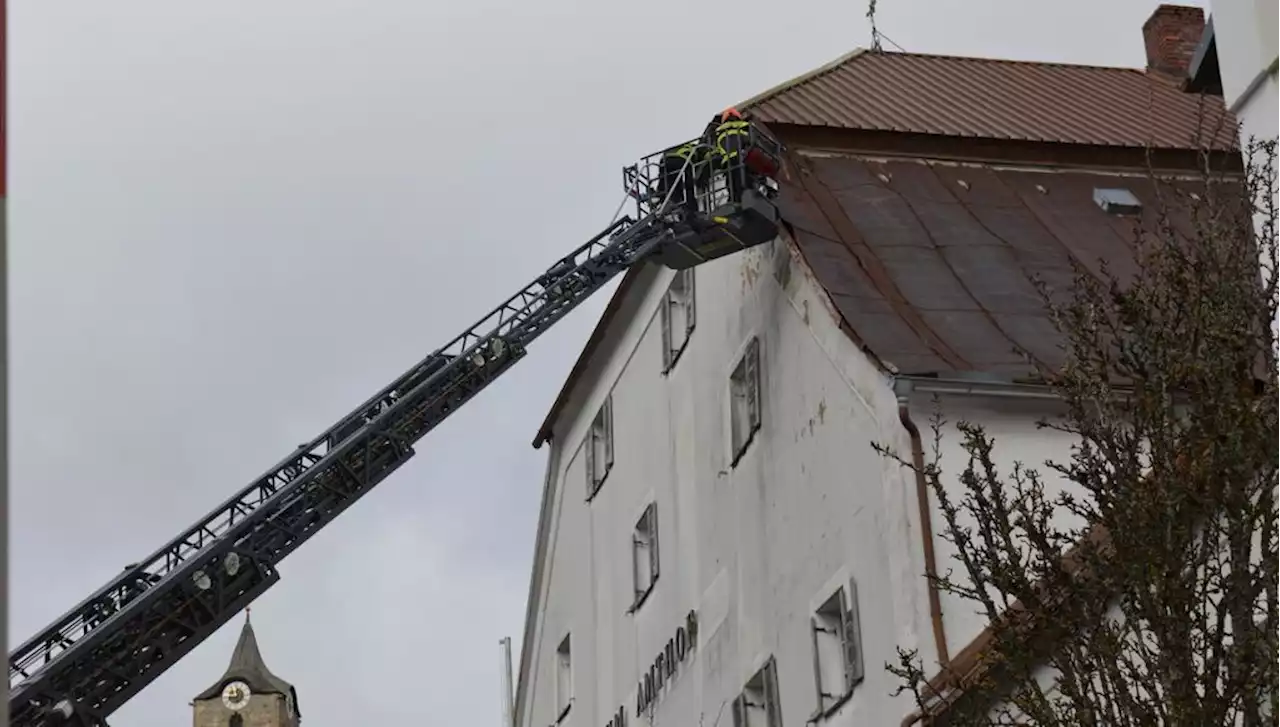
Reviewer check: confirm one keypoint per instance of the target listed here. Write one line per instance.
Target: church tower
(247, 694)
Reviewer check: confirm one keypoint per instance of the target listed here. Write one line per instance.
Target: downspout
(902, 389)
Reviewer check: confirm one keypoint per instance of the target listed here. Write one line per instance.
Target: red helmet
(730, 113)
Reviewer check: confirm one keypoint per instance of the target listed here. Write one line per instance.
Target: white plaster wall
(1011, 424)
(1246, 33)
(1258, 113)
(750, 547)
(1247, 40)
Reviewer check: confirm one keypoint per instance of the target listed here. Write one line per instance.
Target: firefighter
(732, 136)
(695, 156)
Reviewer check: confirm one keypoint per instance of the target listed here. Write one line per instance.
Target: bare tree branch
(1145, 592)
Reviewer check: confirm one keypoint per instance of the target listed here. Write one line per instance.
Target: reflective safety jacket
(699, 153)
(730, 129)
(682, 152)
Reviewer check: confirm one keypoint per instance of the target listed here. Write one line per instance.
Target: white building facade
(692, 575)
(1242, 34)
(719, 544)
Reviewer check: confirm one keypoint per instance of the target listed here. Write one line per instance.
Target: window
(644, 554)
(837, 648)
(677, 318)
(235, 720)
(564, 679)
(1117, 201)
(600, 448)
(757, 706)
(744, 399)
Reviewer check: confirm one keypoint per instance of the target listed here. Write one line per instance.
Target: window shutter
(653, 542)
(608, 433)
(690, 298)
(817, 662)
(740, 712)
(668, 347)
(852, 640)
(636, 544)
(773, 710)
(591, 462)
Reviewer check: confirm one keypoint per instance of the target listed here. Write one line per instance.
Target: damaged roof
(998, 99)
(930, 263)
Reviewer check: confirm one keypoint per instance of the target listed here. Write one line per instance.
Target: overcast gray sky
(230, 222)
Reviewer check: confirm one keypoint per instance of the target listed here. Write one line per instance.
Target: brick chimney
(1172, 34)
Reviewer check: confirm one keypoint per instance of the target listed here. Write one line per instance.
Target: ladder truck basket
(764, 155)
(715, 206)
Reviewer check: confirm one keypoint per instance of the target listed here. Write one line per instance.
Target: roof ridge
(856, 53)
(1019, 61)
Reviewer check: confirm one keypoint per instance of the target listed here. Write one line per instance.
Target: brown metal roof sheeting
(999, 99)
(932, 269)
(931, 276)
(931, 264)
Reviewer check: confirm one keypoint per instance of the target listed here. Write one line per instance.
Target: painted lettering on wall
(662, 670)
(665, 665)
(619, 718)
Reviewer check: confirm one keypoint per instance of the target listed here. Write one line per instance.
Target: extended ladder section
(99, 654)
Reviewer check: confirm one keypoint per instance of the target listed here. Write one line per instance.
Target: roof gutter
(980, 387)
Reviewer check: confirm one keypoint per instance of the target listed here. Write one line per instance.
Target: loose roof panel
(933, 265)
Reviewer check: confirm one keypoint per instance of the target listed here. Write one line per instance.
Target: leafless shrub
(1157, 605)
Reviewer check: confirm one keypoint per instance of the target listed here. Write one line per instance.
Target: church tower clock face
(235, 696)
(246, 692)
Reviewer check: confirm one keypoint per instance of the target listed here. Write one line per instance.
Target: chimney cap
(1166, 10)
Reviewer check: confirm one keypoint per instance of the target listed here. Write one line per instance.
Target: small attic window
(1117, 201)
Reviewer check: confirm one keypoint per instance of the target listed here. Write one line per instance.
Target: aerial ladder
(97, 656)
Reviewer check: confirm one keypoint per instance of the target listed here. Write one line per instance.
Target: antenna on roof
(875, 32)
(876, 35)
(892, 43)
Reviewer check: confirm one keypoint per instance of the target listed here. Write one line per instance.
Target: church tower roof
(248, 666)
